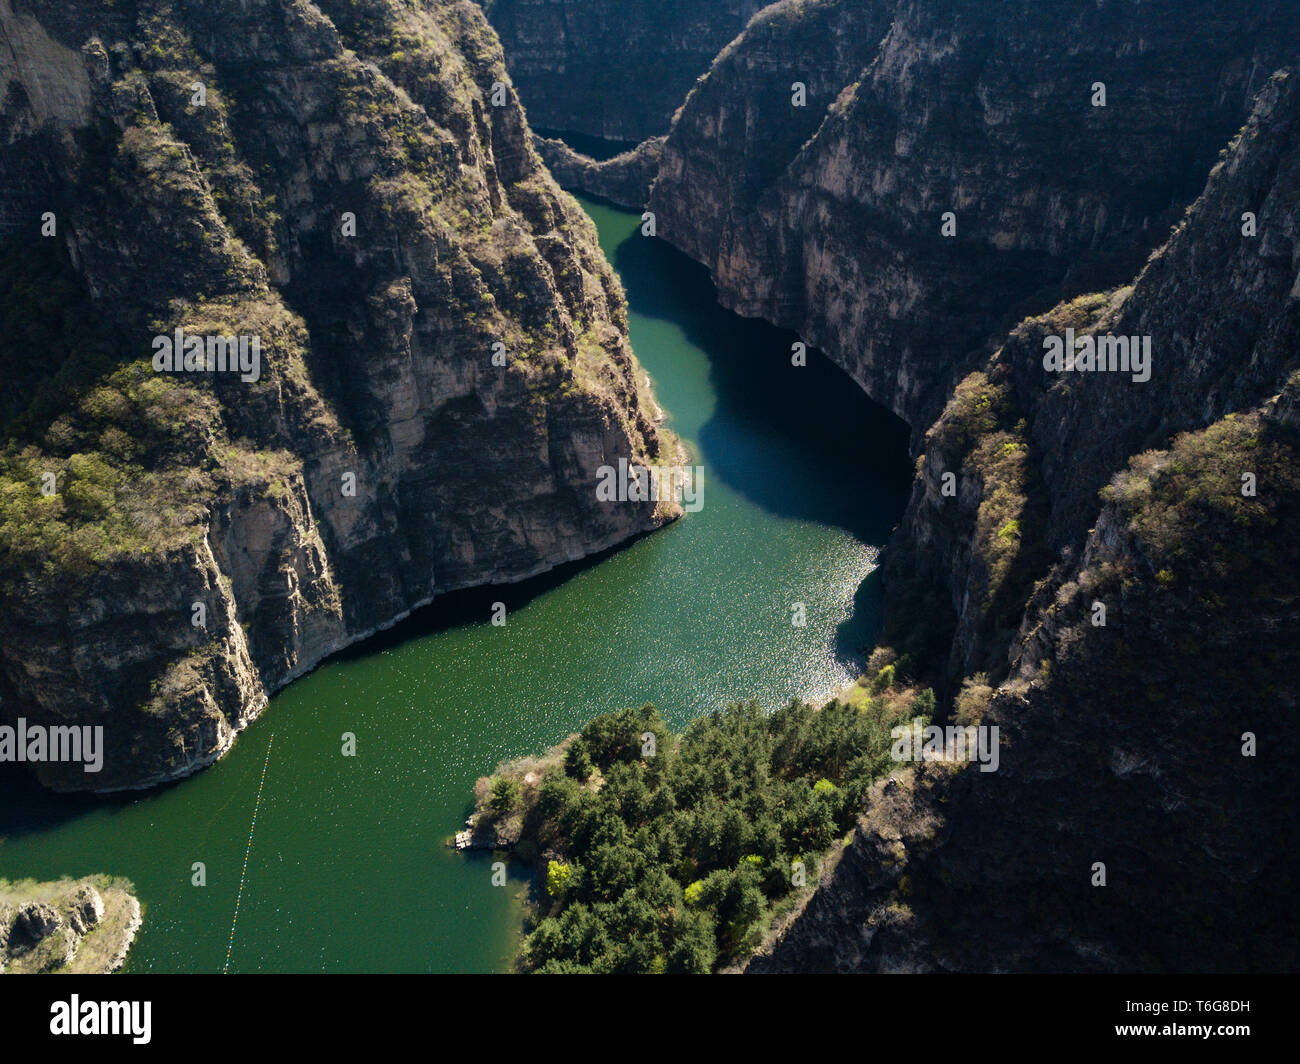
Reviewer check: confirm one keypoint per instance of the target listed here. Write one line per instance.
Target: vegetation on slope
(673, 853)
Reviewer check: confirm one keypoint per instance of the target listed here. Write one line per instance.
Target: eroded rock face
(66, 926)
(611, 68)
(444, 363)
(35, 922)
(85, 909)
(765, 96)
(624, 180)
(1134, 822)
(1219, 309)
(832, 222)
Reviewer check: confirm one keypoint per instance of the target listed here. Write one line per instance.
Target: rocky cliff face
(84, 927)
(979, 120)
(443, 365)
(1021, 444)
(764, 98)
(616, 69)
(1138, 817)
(624, 180)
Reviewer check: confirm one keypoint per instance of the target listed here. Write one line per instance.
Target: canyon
(972, 180)
(928, 192)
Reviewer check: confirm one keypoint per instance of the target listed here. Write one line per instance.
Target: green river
(348, 870)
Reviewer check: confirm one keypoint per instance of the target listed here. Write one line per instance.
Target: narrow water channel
(348, 870)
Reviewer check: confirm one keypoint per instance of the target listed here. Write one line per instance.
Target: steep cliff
(1024, 444)
(1139, 817)
(616, 69)
(765, 97)
(443, 362)
(978, 162)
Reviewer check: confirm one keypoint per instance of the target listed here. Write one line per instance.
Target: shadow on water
(802, 442)
(860, 629)
(26, 807)
(473, 606)
(774, 424)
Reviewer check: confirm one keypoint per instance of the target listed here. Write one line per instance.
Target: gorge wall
(1149, 682)
(616, 69)
(444, 361)
(829, 218)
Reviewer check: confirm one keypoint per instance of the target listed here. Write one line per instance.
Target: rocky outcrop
(764, 98)
(83, 927)
(1137, 820)
(624, 180)
(608, 68)
(1017, 443)
(968, 177)
(486, 834)
(444, 363)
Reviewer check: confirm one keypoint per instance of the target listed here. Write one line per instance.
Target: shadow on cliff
(600, 149)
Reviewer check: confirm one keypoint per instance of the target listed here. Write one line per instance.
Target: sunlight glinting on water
(349, 870)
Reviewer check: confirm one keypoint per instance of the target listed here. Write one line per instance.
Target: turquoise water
(348, 869)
